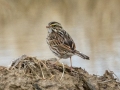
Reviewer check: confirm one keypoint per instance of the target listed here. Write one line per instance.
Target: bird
(61, 43)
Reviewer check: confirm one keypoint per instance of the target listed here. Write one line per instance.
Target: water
(32, 42)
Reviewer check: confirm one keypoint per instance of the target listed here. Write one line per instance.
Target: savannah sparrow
(61, 43)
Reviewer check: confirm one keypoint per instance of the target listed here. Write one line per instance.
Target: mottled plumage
(61, 43)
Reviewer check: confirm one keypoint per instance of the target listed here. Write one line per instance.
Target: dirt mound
(29, 73)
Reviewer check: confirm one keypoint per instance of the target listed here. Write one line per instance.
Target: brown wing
(61, 39)
(68, 41)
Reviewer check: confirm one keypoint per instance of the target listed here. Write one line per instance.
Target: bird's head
(54, 26)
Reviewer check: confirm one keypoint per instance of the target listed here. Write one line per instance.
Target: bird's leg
(71, 64)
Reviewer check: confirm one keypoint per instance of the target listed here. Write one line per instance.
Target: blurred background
(93, 24)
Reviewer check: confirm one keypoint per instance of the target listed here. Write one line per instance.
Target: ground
(29, 73)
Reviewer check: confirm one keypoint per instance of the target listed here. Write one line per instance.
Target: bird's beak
(47, 26)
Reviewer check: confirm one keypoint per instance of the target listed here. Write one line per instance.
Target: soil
(29, 73)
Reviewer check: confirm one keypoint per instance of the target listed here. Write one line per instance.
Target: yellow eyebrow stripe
(53, 24)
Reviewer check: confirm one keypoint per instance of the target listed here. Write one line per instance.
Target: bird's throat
(51, 30)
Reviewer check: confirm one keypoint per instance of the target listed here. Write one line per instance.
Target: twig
(16, 62)
(47, 69)
(39, 67)
(42, 72)
(63, 72)
(105, 81)
(33, 71)
(116, 76)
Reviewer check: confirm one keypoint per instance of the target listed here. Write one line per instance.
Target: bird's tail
(81, 55)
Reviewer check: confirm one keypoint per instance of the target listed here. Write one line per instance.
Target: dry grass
(31, 73)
